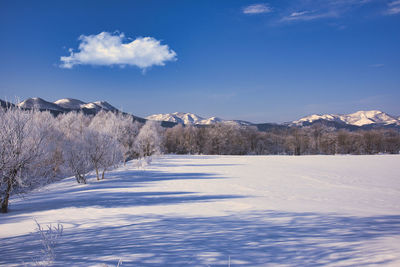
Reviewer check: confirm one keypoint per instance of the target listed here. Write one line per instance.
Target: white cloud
(307, 10)
(297, 14)
(394, 8)
(257, 9)
(106, 49)
(308, 15)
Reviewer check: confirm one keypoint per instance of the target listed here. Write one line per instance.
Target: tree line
(37, 148)
(233, 139)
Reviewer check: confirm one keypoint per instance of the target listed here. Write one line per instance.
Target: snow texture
(70, 103)
(203, 210)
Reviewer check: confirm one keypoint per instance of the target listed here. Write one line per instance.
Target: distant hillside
(359, 120)
(192, 119)
(5, 104)
(67, 105)
(363, 119)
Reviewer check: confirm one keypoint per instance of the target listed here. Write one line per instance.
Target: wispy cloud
(257, 9)
(394, 8)
(307, 10)
(308, 15)
(107, 49)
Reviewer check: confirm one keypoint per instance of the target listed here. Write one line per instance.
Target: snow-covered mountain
(192, 119)
(66, 104)
(183, 118)
(39, 103)
(359, 118)
(70, 103)
(105, 105)
(75, 104)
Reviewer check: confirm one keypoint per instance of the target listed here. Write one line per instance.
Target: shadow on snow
(250, 239)
(111, 193)
(295, 239)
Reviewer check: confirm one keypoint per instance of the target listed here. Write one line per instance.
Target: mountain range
(359, 119)
(66, 104)
(192, 119)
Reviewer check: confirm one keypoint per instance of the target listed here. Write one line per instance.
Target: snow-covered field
(203, 210)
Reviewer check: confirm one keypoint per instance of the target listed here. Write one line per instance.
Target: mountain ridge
(193, 119)
(66, 104)
(358, 120)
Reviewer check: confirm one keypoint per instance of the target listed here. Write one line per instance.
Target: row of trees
(37, 148)
(231, 139)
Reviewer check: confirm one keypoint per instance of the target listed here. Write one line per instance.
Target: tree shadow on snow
(112, 192)
(257, 239)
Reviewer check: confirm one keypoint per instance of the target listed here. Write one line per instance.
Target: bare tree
(24, 145)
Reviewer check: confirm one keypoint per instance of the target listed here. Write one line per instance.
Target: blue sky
(262, 61)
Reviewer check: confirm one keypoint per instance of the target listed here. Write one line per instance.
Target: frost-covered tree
(49, 237)
(121, 127)
(76, 149)
(97, 148)
(104, 151)
(24, 145)
(150, 139)
(50, 165)
(98, 142)
(76, 157)
(113, 157)
(73, 123)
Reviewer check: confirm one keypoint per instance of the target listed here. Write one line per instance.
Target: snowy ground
(201, 210)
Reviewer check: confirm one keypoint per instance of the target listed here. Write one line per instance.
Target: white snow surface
(358, 118)
(105, 105)
(203, 210)
(69, 103)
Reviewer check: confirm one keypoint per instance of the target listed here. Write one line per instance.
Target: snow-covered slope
(104, 105)
(359, 118)
(177, 117)
(205, 210)
(75, 104)
(70, 103)
(368, 117)
(91, 106)
(192, 119)
(39, 103)
(66, 104)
